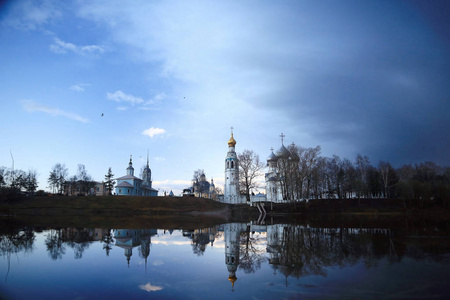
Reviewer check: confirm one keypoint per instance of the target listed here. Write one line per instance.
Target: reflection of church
(232, 232)
(132, 238)
(201, 238)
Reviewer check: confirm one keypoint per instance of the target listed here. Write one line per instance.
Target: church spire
(232, 141)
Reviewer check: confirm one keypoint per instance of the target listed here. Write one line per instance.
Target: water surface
(237, 260)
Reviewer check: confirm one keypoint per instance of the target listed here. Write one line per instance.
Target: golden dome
(232, 141)
(232, 279)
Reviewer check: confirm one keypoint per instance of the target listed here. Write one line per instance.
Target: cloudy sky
(172, 77)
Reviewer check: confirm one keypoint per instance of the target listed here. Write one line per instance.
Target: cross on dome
(282, 137)
(232, 141)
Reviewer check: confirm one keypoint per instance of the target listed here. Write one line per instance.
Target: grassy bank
(191, 212)
(114, 211)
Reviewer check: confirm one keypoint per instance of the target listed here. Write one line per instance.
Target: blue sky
(368, 77)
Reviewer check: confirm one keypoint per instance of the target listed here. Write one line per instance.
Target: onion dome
(283, 152)
(232, 279)
(272, 157)
(232, 141)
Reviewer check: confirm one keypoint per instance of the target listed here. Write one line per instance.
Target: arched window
(228, 164)
(232, 164)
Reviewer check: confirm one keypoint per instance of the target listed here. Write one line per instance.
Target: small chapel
(134, 186)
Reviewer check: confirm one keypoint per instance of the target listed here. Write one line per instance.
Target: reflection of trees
(251, 251)
(108, 242)
(54, 243)
(15, 241)
(79, 239)
(297, 251)
(200, 238)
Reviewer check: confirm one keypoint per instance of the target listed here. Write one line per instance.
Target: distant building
(202, 188)
(84, 188)
(100, 189)
(135, 186)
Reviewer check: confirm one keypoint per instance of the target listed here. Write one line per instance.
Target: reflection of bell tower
(232, 232)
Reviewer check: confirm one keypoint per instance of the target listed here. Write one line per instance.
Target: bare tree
(30, 182)
(57, 177)
(250, 168)
(218, 191)
(309, 165)
(362, 165)
(197, 174)
(84, 179)
(3, 171)
(388, 177)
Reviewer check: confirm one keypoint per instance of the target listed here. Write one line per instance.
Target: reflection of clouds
(150, 288)
(157, 263)
(169, 243)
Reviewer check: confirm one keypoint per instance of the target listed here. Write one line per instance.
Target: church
(203, 189)
(283, 159)
(276, 192)
(134, 186)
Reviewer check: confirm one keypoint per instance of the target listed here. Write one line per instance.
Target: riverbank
(189, 212)
(104, 211)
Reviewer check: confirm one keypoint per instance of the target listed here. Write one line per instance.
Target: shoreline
(191, 212)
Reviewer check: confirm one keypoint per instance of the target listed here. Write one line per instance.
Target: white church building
(273, 178)
(134, 186)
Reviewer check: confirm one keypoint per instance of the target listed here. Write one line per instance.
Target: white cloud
(150, 288)
(120, 96)
(122, 108)
(151, 132)
(79, 87)
(32, 106)
(61, 47)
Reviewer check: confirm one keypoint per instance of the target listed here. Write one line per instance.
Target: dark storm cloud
(377, 80)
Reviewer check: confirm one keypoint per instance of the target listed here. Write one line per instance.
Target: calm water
(242, 261)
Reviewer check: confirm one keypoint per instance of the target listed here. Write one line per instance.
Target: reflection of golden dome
(232, 141)
(232, 279)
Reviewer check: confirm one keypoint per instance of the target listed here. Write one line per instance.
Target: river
(230, 261)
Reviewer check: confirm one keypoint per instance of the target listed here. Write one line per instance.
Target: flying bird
(102, 114)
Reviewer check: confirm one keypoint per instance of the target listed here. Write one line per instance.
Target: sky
(172, 78)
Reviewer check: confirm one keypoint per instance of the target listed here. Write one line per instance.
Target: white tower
(231, 189)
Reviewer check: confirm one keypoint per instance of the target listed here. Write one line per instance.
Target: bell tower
(231, 189)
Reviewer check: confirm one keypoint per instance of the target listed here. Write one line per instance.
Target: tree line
(306, 174)
(15, 182)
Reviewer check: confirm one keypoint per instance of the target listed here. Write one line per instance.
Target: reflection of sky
(174, 271)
